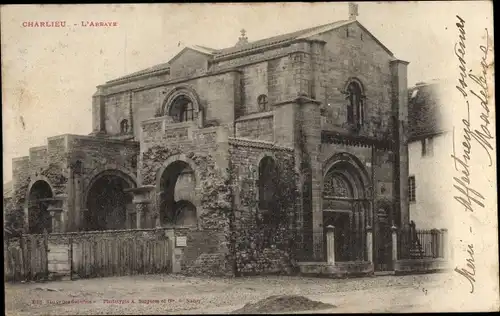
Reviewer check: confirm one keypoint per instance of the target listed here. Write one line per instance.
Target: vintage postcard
(249, 158)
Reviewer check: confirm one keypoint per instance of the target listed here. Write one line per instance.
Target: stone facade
(191, 135)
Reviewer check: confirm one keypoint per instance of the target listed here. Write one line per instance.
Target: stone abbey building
(254, 149)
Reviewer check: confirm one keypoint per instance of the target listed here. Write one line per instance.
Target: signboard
(181, 241)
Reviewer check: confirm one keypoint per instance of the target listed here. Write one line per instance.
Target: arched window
(263, 103)
(182, 109)
(124, 126)
(355, 106)
(267, 175)
(269, 215)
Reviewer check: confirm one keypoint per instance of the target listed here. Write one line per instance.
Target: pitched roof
(259, 44)
(288, 37)
(424, 115)
(150, 70)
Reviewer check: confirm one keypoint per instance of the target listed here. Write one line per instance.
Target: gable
(188, 62)
(357, 30)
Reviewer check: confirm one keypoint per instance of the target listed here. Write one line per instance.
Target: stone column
(56, 220)
(394, 243)
(369, 244)
(139, 210)
(330, 244)
(400, 138)
(310, 146)
(142, 199)
(56, 207)
(444, 244)
(77, 211)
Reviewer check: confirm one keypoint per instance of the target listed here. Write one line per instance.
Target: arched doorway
(345, 207)
(39, 217)
(107, 202)
(177, 193)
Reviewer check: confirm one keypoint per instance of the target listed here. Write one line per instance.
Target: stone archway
(346, 207)
(177, 194)
(39, 218)
(106, 202)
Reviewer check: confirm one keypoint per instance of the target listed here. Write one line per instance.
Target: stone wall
(206, 253)
(48, 163)
(188, 63)
(258, 126)
(254, 83)
(100, 154)
(118, 108)
(255, 251)
(218, 94)
(350, 52)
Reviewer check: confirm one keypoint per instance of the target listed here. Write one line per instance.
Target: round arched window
(355, 106)
(182, 109)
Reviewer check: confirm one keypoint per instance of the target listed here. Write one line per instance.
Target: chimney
(242, 40)
(353, 11)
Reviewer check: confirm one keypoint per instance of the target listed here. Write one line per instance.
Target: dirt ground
(164, 294)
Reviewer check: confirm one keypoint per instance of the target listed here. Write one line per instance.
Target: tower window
(124, 126)
(355, 106)
(263, 103)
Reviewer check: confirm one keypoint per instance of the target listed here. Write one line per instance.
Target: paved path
(161, 294)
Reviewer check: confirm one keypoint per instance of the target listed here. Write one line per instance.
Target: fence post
(444, 243)
(435, 243)
(369, 243)
(71, 258)
(46, 246)
(22, 245)
(394, 244)
(330, 244)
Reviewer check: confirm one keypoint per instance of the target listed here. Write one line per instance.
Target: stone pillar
(369, 244)
(394, 244)
(310, 147)
(56, 220)
(56, 208)
(173, 252)
(77, 212)
(436, 242)
(444, 244)
(330, 244)
(98, 112)
(142, 199)
(400, 114)
(139, 213)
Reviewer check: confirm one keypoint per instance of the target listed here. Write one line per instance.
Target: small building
(430, 148)
(255, 148)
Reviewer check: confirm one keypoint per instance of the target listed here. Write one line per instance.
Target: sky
(50, 74)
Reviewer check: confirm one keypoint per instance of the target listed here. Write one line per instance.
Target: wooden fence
(87, 254)
(26, 258)
(114, 257)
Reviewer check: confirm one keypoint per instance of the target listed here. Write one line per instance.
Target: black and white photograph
(249, 158)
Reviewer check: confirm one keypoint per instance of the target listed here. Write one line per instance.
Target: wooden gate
(115, 256)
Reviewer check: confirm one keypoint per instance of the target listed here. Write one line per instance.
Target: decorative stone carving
(335, 185)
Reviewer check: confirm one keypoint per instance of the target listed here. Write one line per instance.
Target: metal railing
(421, 243)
